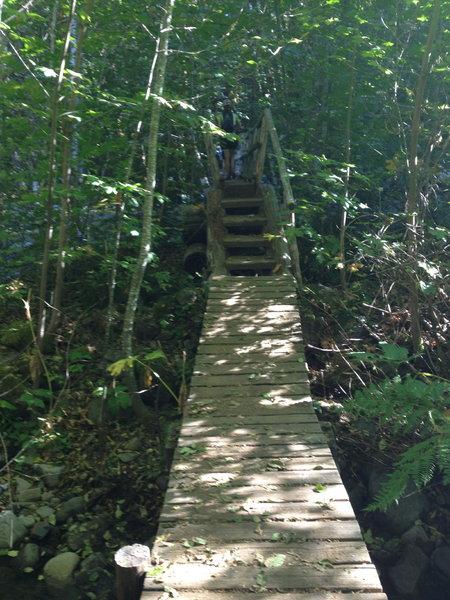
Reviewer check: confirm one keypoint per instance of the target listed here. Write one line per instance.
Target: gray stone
(45, 512)
(12, 531)
(27, 520)
(51, 474)
(406, 574)
(22, 484)
(40, 530)
(134, 445)
(58, 571)
(441, 559)
(401, 516)
(69, 508)
(127, 457)
(76, 540)
(417, 536)
(95, 561)
(29, 495)
(28, 556)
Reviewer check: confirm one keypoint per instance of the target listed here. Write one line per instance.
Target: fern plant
(405, 411)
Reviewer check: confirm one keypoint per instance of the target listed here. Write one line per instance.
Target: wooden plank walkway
(255, 506)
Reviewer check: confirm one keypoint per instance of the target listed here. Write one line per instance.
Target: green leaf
(121, 365)
(13, 553)
(276, 560)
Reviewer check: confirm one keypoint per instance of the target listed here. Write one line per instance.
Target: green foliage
(412, 411)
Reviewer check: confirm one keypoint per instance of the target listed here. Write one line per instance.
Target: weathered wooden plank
(268, 317)
(255, 358)
(306, 577)
(234, 281)
(281, 478)
(254, 379)
(262, 390)
(247, 452)
(260, 440)
(273, 511)
(236, 532)
(257, 494)
(256, 341)
(334, 552)
(242, 595)
(279, 292)
(204, 463)
(261, 404)
(266, 351)
(233, 431)
(224, 331)
(250, 369)
(305, 417)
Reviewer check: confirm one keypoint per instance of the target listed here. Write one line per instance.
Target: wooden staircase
(255, 507)
(248, 249)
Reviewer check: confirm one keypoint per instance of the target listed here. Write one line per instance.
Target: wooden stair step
(250, 262)
(245, 241)
(244, 220)
(238, 189)
(242, 202)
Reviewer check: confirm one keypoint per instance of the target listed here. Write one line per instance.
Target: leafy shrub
(413, 412)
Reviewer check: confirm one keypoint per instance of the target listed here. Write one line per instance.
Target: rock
(69, 508)
(76, 540)
(51, 474)
(27, 520)
(127, 457)
(134, 445)
(441, 560)
(40, 530)
(58, 571)
(29, 495)
(358, 496)
(22, 484)
(95, 561)
(405, 575)
(45, 512)
(12, 531)
(417, 536)
(28, 556)
(401, 516)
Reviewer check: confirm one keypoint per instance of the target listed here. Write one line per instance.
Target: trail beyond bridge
(255, 506)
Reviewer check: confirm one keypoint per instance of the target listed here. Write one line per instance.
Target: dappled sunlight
(254, 495)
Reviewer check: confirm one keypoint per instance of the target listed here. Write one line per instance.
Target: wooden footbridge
(255, 506)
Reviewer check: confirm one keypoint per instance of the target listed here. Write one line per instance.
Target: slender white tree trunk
(413, 191)
(156, 91)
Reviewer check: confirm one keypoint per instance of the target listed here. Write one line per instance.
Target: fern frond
(416, 465)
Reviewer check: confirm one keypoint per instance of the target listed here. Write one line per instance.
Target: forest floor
(109, 482)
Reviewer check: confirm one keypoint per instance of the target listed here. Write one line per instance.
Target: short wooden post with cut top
(132, 563)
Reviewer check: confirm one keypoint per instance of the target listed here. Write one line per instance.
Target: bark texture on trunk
(413, 190)
(156, 92)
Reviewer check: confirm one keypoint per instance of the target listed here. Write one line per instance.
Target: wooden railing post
(288, 196)
(212, 160)
(216, 232)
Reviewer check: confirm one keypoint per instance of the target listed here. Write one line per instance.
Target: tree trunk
(412, 195)
(347, 157)
(120, 206)
(66, 163)
(157, 90)
(54, 114)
